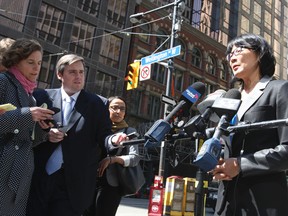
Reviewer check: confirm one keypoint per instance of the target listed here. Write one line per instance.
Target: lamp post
(178, 9)
(156, 206)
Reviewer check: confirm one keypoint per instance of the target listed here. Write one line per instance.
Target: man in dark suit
(79, 141)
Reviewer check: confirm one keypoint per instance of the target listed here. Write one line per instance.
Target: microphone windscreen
(199, 87)
(209, 100)
(234, 94)
(228, 105)
(41, 97)
(191, 95)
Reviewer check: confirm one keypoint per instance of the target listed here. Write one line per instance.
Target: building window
(209, 88)
(267, 19)
(144, 31)
(110, 50)
(187, 14)
(158, 73)
(268, 3)
(256, 29)
(116, 12)
(278, 7)
(196, 57)
(102, 84)
(244, 25)
(196, 14)
(211, 65)
(182, 55)
(178, 79)
(82, 38)
(246, 6)
(50, 24)
(226, 18)
(139, 55)
(47, 71)
(135, 99)
(14, 15)
(154, 105)
(90, 7)
(193, 79)
(161, 40)
(223, 71)
(277, 49)
(257, 12)
(267, 37)
(277, 26)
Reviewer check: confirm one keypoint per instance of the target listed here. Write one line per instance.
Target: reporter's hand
(226, 169)
(2, 111)
(118, 138)
(103, 165)
(45, 126)
(39, 113)
(55, 135)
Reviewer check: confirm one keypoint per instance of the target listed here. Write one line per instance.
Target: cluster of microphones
(221, 107)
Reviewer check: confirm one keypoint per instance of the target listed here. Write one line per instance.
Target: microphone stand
(200, 177)
(244, 126)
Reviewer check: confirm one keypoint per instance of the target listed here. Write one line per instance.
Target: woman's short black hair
(21, 49)
(264, 51)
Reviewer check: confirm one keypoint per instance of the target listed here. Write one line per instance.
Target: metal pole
(168, 88)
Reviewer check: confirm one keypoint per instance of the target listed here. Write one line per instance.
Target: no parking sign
(145, 72)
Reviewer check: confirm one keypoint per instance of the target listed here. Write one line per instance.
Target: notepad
(7, 107)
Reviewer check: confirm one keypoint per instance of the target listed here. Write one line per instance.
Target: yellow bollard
(174, 192)
(188, 203)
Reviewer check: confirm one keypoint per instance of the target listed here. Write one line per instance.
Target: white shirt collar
(65, 95)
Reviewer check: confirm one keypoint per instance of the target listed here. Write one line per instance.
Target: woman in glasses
(108, 195)
(252, 173)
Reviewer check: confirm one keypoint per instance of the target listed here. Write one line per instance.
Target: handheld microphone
(41, 97)
(162, 126)
(210, 152)
(199, 123)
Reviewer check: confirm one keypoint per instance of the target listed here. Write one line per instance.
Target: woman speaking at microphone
(252, 173)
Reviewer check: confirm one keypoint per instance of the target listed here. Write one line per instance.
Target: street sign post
(168, 100)
(160, 56)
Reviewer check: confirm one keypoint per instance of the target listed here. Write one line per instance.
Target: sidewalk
(139, 207)
(133, 207)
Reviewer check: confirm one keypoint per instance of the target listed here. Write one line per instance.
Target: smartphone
(132, 135)
(56, 110)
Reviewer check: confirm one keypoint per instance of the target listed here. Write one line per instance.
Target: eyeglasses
(116, 108)
(236, 52)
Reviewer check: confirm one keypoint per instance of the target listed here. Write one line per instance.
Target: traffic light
(133, 74)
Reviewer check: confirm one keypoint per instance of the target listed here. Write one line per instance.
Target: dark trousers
(107, 200)
(48, 196)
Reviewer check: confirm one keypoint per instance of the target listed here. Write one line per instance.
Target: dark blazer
(82, 148)
(261, 187)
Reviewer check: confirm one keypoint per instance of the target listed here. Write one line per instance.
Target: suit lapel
(253, 96)
(55, 96)
(75, 115)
